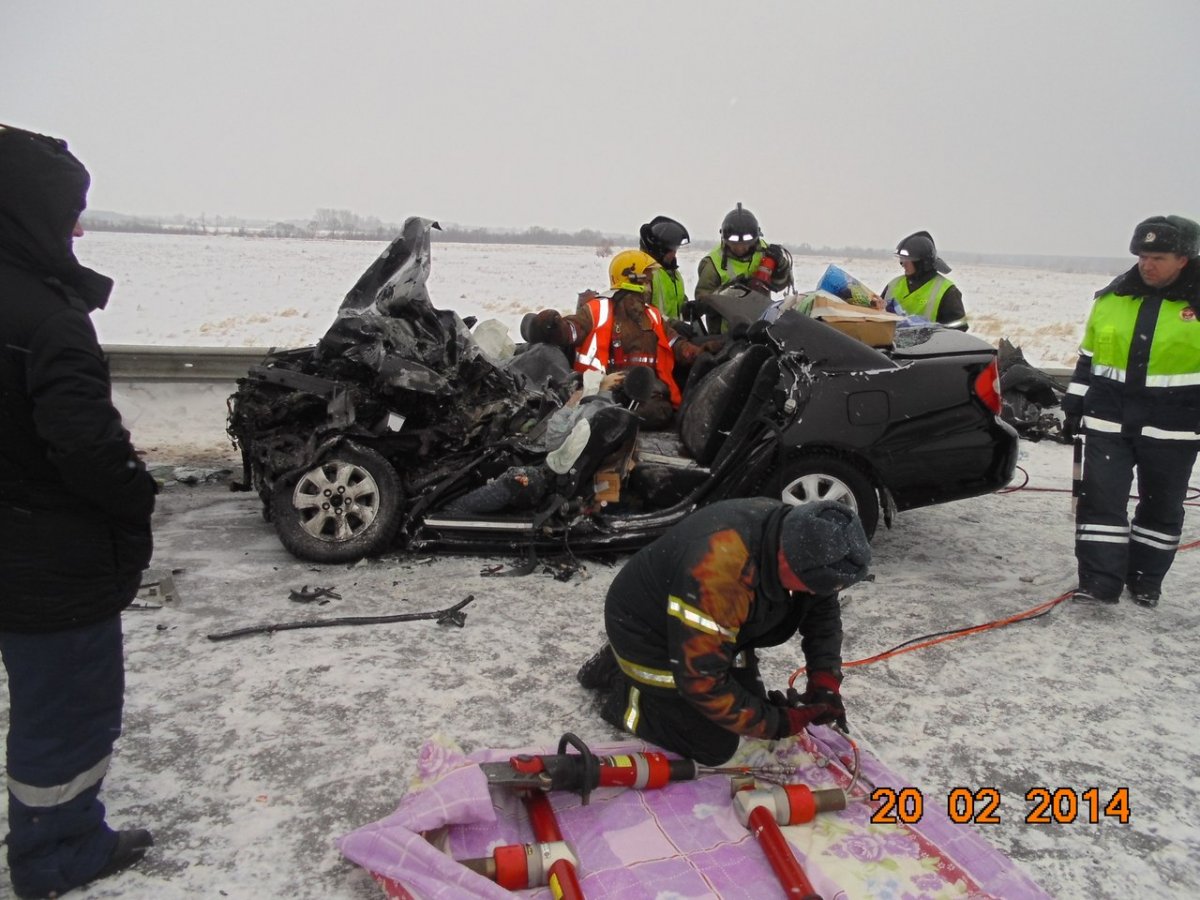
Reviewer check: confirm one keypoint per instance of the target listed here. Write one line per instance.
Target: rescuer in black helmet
(662, 237)
(924, 290)
(742, 257)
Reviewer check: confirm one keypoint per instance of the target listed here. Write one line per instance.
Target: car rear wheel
(825, 477)
(340, 510)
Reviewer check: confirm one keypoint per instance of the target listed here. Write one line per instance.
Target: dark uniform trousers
(66, 690)
(1111, 552)
(664, 718)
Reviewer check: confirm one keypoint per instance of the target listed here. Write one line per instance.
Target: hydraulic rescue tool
(551, 861)
(583, 772)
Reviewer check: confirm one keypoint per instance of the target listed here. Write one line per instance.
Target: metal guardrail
(134, 363)
(128, 362)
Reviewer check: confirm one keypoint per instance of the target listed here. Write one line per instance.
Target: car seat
(713, 405)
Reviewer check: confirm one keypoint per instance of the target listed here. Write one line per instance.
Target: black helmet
(919, 249)
(740, 225)
(661, 235)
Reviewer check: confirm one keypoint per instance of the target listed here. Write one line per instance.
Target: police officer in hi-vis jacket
(1134, 401)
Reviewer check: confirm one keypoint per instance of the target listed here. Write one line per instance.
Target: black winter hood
(1186, 287)
(43, 191)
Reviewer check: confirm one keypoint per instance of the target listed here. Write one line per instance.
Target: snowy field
(249, 758)
(227, 291)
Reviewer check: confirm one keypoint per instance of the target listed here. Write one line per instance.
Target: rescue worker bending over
(662, 237)
(924, 290)
(742, 257)
(1136, 396)
(619, 330)
(685, 615)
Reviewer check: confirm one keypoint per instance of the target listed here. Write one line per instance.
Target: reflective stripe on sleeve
(1093, 424)
(57, 794)
(1112, 373)
(693, 617)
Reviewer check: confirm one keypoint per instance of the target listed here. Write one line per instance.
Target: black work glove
(825, 689)
(684, 327)
(820, 704)
(1070, 426)
(543, 328)
(776, 253)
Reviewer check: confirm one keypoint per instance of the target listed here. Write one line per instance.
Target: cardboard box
(873, 327)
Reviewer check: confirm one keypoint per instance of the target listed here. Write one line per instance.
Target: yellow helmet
(630, 270)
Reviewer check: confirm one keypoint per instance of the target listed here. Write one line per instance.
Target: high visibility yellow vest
(730, 268)
(1174, 359)
(924, 301)
(668, 292)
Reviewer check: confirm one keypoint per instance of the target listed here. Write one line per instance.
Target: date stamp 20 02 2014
(982, 806)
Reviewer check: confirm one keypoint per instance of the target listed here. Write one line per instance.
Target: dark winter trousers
(1111, 552)
(667, 720)
(66, 690)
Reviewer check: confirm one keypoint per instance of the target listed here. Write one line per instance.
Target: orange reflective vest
(595, 353)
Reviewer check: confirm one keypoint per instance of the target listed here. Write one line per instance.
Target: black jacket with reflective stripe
(707, 590)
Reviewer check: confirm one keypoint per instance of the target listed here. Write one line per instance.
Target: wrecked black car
(403, 427)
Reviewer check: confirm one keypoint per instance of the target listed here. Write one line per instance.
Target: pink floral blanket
(681, 841)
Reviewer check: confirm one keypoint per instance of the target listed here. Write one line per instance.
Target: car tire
(339, 510)
(826, 477)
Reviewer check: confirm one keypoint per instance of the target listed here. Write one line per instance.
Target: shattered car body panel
(398, 428)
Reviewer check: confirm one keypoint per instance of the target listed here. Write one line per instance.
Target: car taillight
(987, 387)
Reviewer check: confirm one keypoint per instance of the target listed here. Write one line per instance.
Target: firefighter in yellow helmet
(619, 330)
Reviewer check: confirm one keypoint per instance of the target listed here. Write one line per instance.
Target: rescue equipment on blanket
(550, 861)
(775, 847)
(583, 772)
(520, 866)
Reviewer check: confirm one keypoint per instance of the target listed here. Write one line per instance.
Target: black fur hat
(1166, 234)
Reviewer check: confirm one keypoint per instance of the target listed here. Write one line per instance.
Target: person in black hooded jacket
(75, 508)
(686, 614)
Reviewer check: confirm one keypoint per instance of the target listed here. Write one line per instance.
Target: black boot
(132, 845)
(1081, 595)
(600, 669)
(130, 848)
(1145, 597)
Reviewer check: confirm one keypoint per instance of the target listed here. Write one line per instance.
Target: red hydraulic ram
(561, 876)
(764, 810)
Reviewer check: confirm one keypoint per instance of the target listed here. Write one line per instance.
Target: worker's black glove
(1070, 426)
(794, 719)
(776, 253)
(820, 704)
(825, 688)
(545, 327)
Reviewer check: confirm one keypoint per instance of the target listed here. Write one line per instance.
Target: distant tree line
(343, 225)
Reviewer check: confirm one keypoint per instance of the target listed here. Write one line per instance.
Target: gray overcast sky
(1015, 126)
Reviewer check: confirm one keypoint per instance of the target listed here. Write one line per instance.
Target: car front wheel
(341, 509)
(824, 477)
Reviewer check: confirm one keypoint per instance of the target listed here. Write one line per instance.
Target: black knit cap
(825, 545)
(1166, 234)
